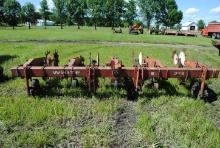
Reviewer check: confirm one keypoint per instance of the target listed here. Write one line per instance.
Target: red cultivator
(132, 78)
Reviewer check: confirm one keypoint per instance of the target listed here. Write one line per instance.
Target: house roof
(41, 21)
(189, 24)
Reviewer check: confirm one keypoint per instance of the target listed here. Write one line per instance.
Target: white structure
(189, 26)
(41, 23)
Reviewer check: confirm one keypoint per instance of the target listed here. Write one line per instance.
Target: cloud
(191, 11)
(50, 4)
(215, 10)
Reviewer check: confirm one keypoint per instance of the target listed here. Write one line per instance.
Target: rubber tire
(214, 35)
(194, 89)
(35, 86)
(218, 36)
(132, 94)
(74, 83)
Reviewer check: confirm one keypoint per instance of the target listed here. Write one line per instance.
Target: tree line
(107, 13)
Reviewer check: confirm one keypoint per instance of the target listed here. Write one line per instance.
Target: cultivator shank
(133, 78)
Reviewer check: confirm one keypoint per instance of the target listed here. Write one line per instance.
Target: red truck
(212, 30)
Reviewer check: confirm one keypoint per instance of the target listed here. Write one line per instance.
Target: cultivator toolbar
(131, 78)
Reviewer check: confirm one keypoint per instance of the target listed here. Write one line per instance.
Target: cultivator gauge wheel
(74, 83)
(194, 89)
(35, 87)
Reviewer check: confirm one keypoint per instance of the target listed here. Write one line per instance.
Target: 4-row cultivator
(131, 78)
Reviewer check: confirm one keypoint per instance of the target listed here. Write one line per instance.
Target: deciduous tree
(114, 10)
(130, 13)
(167, 13)
(28, 10)
(44, 10)
(12, 10)
(1, 11)
(201, 24)
(60, 11)
(95, 9)
(76, 11)
(147, 8)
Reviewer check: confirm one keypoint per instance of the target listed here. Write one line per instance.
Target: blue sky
(193, 10)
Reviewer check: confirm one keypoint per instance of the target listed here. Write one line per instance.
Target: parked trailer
(212, 30)
(181, 33)
(131, 78)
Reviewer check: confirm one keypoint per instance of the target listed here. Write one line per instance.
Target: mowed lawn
(71, 117)
(90, 34)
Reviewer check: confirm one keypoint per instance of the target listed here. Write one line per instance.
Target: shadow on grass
(5, 58)
(4, 78)
(106, 91)
(165, 88)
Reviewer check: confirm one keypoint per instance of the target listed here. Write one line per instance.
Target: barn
(189, 26)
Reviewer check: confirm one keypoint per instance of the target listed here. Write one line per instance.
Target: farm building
(189, 26)
(41, 23)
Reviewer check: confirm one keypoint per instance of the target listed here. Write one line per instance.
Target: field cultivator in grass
(117, 30)
(129, 78)
(136, 29)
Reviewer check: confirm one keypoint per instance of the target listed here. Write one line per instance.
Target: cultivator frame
(133, 78)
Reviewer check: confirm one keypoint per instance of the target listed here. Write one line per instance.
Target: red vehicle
(212, 30)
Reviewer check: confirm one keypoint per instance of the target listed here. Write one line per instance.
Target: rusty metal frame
(150, 69)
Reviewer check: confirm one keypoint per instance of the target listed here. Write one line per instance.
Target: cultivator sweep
(131, 78)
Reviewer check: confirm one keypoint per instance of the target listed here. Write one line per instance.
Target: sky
(193, 10)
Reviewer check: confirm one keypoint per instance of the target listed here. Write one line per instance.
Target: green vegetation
(178, 122)
(73, 117)
(101, 34)
(108, 13)
(50, 121)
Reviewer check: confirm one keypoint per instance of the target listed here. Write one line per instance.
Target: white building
(41, 23)
(189, 26)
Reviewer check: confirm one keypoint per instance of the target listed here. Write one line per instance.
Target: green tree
(147, 8)
(76, 11)
(28, 11)
(167, 13)
(201, 24)
(12, 10)
(95, 9)
(1, 11)
(130, 13)
(44, 10)
(114, 10)
(60, 11)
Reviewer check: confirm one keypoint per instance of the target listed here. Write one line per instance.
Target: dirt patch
(124, 127)
(109, 43)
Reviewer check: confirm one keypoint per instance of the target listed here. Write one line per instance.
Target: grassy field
(71, 117)
(89, 34)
